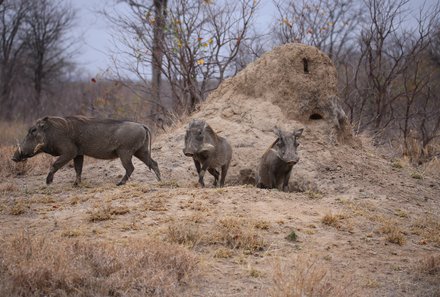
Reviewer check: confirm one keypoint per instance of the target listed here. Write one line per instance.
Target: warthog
(208, 150)
(277, 162)
(75, 136)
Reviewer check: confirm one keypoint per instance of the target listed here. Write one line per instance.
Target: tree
(12, 17)
(330, 25)
(48, 47)
(201, 41)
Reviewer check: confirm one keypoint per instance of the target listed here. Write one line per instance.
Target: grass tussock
(430, 265)
(333, 220)
(51, 266)
(393, 233)
(184, 233)
(19, 207)
(307, 278)
(106, 212)
(156, 203)
(427, 227)
(238, 234)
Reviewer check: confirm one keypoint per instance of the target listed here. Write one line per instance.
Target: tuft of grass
(223, 253)
(332, 220)
(393, 233)
(156, 203)
(430, 265)
(314, 194)
(100, 213)
(72, 233)
(262, 225)
(58, 266)
(416, 175)
(428, 227)
(238, 234)
(255, 273)
(184, 233)
(292, 236)
(308, 277)
(19, 207)
(396, 164)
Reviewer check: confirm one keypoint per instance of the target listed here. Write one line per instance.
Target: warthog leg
(125, 157)
(216, 175)
(60, 162)
(224, 171)
(78, 164)
(202, 174)
(286, 181)
(145, 157)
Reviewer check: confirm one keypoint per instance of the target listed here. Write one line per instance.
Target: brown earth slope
(355, 224)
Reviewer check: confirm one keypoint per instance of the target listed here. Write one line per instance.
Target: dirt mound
(291, 87)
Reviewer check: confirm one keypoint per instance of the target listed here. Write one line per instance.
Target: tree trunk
(160, 7)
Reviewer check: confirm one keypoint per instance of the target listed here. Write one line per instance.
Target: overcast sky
(95, 33)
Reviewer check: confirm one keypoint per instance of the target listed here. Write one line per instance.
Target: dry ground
(377, 234)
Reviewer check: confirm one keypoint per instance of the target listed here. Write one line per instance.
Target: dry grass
(428, 227)
(238, 234)
(333, 220)
(19, 207)
(156, 203)
(430, 265)
(307, 278)
(393, 233)
(12, 132)
(106, 212)
(51, 266)
(184, 233)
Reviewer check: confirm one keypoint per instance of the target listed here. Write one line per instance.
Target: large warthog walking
(208, 150)
(76, 136)
(277, 162)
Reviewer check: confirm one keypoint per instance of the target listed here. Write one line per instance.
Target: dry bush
(428, 227)
(307, 278)
(39, 164)
(52, 266)
(238, 234)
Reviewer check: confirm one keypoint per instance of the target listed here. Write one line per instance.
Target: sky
(94, 33)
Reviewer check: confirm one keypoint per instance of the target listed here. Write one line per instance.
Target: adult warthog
(208, 150)
(77, 136)
(277, 162)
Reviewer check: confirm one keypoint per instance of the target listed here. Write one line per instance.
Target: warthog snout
(187, 153)
(17, 157)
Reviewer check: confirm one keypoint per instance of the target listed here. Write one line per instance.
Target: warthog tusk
(19, 147)
(38, 147)
(207, 147)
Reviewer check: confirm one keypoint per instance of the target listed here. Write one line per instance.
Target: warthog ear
(43, 123)
(298, 132)
(277, 131)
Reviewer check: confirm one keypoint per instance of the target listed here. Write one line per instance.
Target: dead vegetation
(307, 277)
(47, 265)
